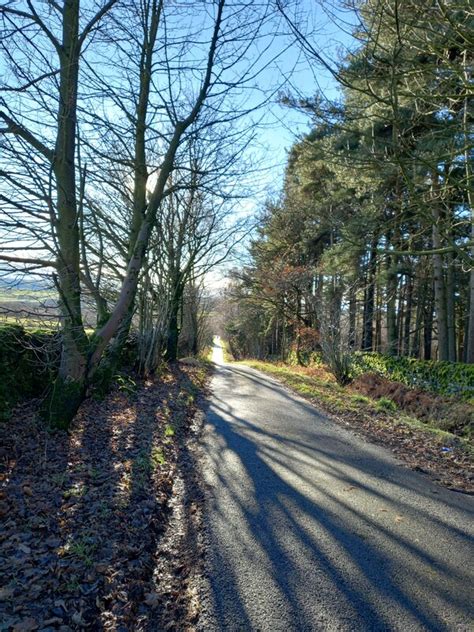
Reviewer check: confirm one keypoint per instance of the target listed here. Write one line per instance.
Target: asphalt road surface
(311, 528)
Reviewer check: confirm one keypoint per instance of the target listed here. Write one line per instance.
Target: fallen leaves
(84, 512)
(26, 625)
(152, 599)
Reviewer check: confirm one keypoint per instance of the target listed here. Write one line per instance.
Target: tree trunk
(467, 129)
(470, 330)
(352, 317)
(194, 319)
(450, 308)
(69, 387)
(392, 283)
(401, 315)
(428, 326)
(369, 302)
(172, 339)
(420, 307)
(173, 326)
(407, 323)
(378, 324)
(439, 289)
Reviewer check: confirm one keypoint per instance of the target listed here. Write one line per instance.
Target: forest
(206, 334)
(369, 246)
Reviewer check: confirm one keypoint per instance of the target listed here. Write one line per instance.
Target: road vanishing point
(309, 527)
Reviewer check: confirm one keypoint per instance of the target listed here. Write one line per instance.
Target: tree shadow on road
(291, 511)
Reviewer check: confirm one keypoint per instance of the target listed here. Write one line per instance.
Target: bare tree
(51, 44)
(123, 91)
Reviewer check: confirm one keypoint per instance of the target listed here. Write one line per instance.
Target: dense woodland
(370, 245)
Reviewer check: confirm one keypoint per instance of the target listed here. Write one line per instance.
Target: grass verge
(422, 445)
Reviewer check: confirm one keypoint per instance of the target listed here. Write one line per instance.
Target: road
(310, 528)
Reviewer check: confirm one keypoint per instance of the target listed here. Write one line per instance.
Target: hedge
(28, 362)
(445, 378)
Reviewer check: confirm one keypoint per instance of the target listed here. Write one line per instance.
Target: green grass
(321, 389)
(205, 355)
(149, 463)
(384, 403)
(30, 323)
(82, 549)
(25, 295)
(59, 479)
(34, 325)
(169, 431)
(445, 437)
(157, 458)
(227, 353)
(78, 490)
(125, 383)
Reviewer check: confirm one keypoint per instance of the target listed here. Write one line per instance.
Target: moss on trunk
(60, 408)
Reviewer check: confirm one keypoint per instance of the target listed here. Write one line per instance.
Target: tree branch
(28, 260)
(98, 16)
(19, 130)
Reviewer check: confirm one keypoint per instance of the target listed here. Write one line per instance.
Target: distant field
(8, 295)
(28, 322)
(33, 309)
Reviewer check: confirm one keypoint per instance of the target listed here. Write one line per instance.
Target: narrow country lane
(311, 528)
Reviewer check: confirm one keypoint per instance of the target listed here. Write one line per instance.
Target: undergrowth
(319, 385)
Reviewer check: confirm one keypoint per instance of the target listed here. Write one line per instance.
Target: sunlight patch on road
(217, 351)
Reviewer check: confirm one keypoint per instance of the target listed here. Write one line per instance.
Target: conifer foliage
(370, 245)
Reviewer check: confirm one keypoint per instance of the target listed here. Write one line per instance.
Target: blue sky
(331, 34)
(329, 26)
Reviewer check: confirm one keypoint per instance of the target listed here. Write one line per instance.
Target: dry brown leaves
(445, 460)
(447, 413)
(83, 513)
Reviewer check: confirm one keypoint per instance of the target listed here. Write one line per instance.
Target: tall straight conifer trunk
(369, 300)
(467, 132)
(439, 289)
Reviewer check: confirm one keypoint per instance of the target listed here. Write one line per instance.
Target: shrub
(307, 358)
(340, 365)
(387, 404)
(28, 363)
(445, 378)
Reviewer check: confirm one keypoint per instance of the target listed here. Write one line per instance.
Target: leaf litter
(84, 514)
